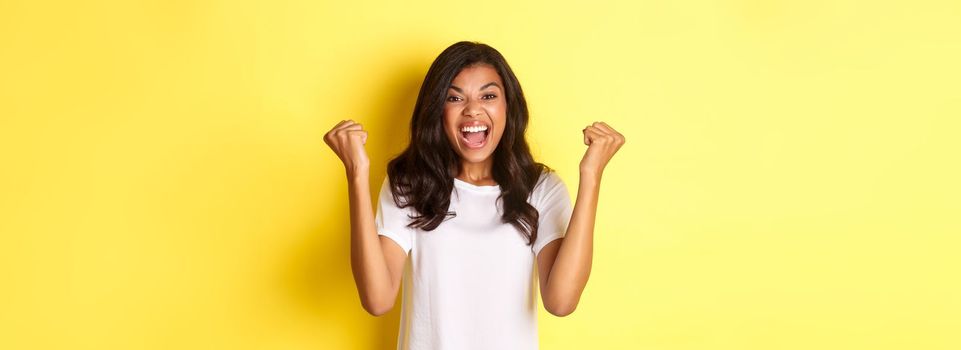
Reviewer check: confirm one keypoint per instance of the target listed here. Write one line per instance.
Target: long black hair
(422, 176)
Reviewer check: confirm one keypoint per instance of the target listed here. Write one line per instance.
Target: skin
(564, 265)
(475, 95)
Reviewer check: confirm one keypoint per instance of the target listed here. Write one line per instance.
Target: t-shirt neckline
(467, 185)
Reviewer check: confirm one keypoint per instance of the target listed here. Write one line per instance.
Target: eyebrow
(452, 86)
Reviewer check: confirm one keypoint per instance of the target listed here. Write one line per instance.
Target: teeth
(477, 128)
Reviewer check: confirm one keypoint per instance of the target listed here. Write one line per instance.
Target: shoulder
(385, 186)
(387, 194)
(548, 179)
(548, 185)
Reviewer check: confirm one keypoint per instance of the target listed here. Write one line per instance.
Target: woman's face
(475, 112)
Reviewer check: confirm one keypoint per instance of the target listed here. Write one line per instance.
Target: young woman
(465, 213)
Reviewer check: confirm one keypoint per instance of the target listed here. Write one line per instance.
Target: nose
(472, 109)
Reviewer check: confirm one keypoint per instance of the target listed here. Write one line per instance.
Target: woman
(473, 212)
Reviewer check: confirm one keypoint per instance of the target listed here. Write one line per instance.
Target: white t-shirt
(471, 283)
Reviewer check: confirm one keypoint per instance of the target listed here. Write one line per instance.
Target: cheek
(497, 112)
(501, 116)
(501, 107)
(449, 118)
(449, 130)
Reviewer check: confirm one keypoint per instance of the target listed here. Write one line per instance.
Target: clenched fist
(347, 140)
(602, 142)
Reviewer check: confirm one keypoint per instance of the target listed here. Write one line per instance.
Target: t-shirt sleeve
(553, 203)
(391, 221)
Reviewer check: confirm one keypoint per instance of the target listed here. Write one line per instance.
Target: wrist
(358, 173)
(591, 176)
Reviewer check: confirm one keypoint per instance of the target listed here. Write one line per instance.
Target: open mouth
(474, 136)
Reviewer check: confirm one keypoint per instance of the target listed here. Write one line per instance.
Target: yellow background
(790, 178)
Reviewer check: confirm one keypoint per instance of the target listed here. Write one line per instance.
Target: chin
(473, 157)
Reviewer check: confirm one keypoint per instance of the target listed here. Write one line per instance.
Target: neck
(477, 173)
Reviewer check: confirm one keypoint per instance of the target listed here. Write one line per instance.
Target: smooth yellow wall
(790, 179)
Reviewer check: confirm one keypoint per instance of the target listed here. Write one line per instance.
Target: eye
(490, 96)
(453, 98)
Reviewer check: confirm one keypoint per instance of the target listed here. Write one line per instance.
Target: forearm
(367, 261)
(572, 266)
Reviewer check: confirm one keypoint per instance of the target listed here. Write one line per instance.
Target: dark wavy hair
(422, 176)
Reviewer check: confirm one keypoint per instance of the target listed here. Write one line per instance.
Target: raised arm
(564, 265)
(376, 262)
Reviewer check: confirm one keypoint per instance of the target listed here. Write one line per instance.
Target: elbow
(560, 303)
(378, 312)
(561, 309)
(377, 308)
